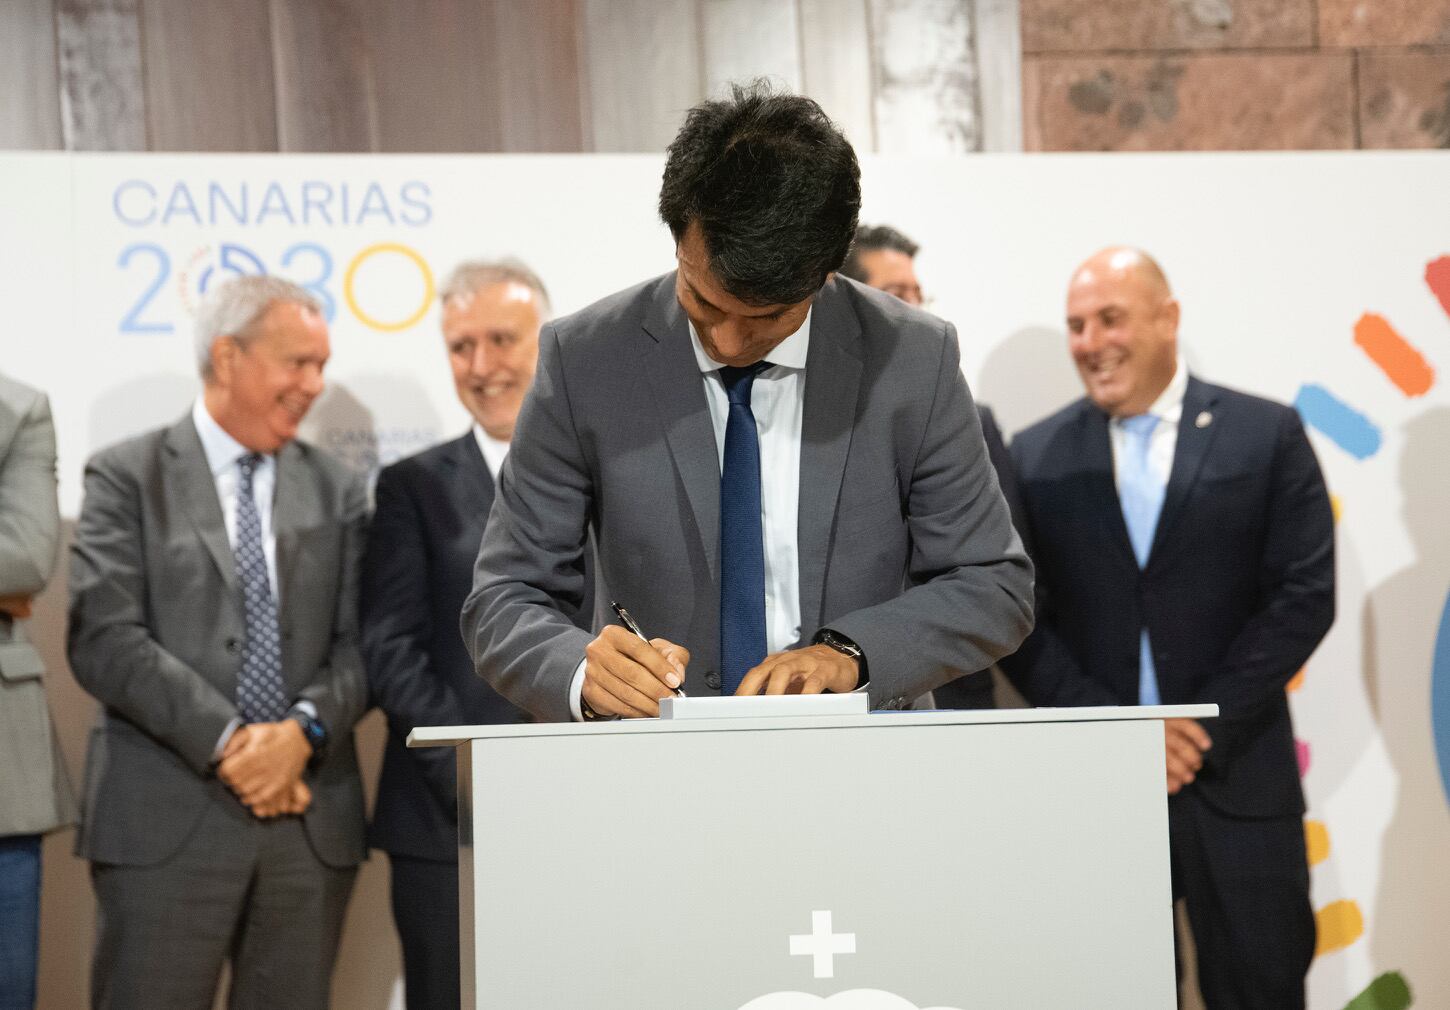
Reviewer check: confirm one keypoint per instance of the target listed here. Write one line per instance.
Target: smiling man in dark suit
(1185, 554)
(783, 470)
(431, 511)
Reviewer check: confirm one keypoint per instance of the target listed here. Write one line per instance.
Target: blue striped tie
(261, 694)
(742, 539)
(1141, 495)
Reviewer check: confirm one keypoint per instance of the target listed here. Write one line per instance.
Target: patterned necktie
(742, 539)
(261, 696)
(1141, 493)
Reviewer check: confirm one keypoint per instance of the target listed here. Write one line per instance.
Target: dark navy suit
(430, 515)
(1237, 591)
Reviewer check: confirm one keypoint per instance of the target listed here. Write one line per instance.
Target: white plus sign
(823, 945)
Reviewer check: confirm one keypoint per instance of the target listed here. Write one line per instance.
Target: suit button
(233, 645)
(712, 680)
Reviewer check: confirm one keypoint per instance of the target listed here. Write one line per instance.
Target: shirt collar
(494, 450)
(221, 450)
(789, 353)
(1169, 405)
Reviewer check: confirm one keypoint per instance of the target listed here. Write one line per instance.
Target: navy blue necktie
(742, 540)
(261, 695)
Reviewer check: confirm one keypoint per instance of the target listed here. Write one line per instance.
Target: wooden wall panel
(434, 75)
(209, 83)
(30, 111)
(539, 77)
(643, 68)
(836, 65)
(744, 39)
(926, 76)
(324, 80)
(102, 97)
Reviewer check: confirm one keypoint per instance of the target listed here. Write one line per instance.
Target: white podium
(890, 861)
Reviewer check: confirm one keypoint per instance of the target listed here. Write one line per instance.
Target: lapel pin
(1204, 419)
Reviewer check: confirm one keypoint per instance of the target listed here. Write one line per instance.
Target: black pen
(628, 622)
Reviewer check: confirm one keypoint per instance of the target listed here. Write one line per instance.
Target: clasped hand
(263, 762)
(1185, 743)
(626, 677)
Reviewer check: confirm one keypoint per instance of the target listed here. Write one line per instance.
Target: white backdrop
(1276, 259)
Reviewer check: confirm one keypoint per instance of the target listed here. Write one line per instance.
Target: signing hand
(263, 760)
(812, 670)
(294, 801)
(1185, 742)
(626, 677)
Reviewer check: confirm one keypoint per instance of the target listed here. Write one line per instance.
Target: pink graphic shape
(1437, 275)
(1301, 751)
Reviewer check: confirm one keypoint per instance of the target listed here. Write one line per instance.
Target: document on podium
(764, 706)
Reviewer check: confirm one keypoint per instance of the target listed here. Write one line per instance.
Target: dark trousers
(19, 920)
(1245, 885)
(241, 889)
(425, 909)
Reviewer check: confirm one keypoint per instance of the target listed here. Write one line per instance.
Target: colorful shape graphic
(1440, 695)
(1339, 923)
(1337, 506)
(1301, 751)
(1437, 275)
(1388, 992)
(1316, 840)
(1400, 360)
(1345, 426)
(1296, 681)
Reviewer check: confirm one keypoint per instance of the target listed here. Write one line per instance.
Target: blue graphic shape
(1440, 696)
(1331, 416)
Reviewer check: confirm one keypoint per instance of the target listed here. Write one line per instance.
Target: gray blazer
(905, 543)
(35, 792)
(156, 626)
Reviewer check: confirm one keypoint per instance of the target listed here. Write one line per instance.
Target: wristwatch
(313, 731)
(846, 647)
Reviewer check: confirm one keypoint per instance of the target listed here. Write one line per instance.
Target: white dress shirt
(1168, 408)
(222, 453)
(494, 451)
(777, 399)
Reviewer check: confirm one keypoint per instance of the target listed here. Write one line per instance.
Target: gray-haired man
(431, 511)
(213, 583)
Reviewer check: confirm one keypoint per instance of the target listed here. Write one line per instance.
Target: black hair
(774, 186)
(870, 238)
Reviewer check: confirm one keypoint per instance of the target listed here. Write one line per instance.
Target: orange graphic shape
(1295, 682)
(1339, 924)
(1316, 840)
(1437, 275)
(1405, 366)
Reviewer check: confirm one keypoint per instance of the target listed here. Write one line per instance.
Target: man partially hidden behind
(35, 791)
(430, 516)
(1185, 554)
(885, 259)
(783, 469)
(213, 614)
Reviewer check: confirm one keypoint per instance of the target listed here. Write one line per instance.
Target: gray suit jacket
(156, 626)
(905, 543)
(35, 792)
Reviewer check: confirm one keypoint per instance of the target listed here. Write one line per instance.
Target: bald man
(1185, 554)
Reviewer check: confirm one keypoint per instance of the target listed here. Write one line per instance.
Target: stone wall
(1170, 75)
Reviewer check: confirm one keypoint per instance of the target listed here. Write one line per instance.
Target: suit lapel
(289, 499)
(1191, 447)
(472, 477)
(1097, 454)
(192, 483)
(832, 382)
(679, 398)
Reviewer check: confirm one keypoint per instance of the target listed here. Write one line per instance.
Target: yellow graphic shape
(1336, 506)
(1316, 840)
(1340, 924)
